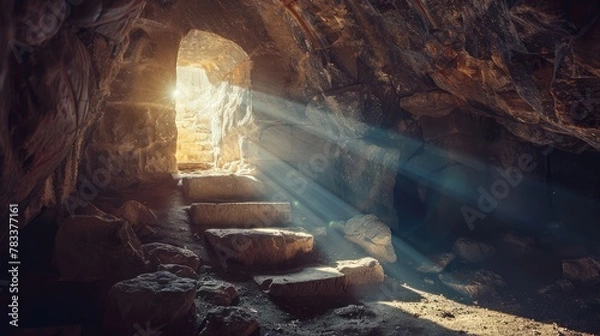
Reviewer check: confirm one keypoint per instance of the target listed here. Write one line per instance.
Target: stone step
(259, 247)
(243, 214)
(223, 188)
(323, 280)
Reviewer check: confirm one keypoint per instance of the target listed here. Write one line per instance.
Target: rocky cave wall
(398, 107)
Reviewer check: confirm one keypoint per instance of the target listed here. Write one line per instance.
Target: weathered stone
(436, 263)
(586, 270)
(259, 246)
(230, 321)
(218, 292)
(434, 103)
(311, 281)
(473, 283)
(179, 270)
(562, 285)
(136, 213)
(152, 299)
(372, 235)
(222, 187)
(472, 251)
(247, 214)
(365, 271)
(95, 248)
(169, 254)
(516, 245)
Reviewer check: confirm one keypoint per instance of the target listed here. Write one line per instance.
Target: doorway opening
(212, 100)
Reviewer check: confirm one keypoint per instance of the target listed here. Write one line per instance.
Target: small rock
(136, 213)
(365, 271)
(586, 270)
(169, 254)
(311, 281)
(516, 245)
(179, 270)
(154, 299)
(436, 263)
(472, 251)
(229, 321)
(561, 285)
(374, 236)
(473, 283)
(218, 292)
(354, 311)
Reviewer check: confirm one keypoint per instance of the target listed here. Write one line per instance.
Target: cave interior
(300, 167)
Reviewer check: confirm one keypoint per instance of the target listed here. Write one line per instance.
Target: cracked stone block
(259, 246)
(311, 281)
(223, 187)
(246, 214)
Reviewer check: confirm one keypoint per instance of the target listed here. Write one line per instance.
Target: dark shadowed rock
(179, 270)
(586, 270)
(95, 248)
(169, 254)
(473, 283)
(157, 300)
(217, 292)
(472, 251)
(230, 321)
(136, 213)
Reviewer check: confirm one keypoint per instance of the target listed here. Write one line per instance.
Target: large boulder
(96, 248)
(151, 300)
(372, 235)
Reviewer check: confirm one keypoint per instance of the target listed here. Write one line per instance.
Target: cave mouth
(212, 90)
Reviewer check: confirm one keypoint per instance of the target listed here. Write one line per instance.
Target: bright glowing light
(175, 93)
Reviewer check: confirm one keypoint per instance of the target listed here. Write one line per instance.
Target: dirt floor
(408, 303)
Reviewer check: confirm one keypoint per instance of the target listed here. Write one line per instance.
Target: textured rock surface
(169, 254)
(473, 283)
(472, 251)
(153, 299)
(230, 321)
(246, 214)
(365, 271)
(436, 263)
(136, 213)
(218, 292)
(95, 248)
(523, 70)
(311, 281)
(223, 187)
(585, 270)
(259, 246)
(179, 270)
(372, 235)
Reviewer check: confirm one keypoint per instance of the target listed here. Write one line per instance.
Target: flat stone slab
(245, 214)
(259, 246)
(361, 272)
(311, 281)
(223, 187)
